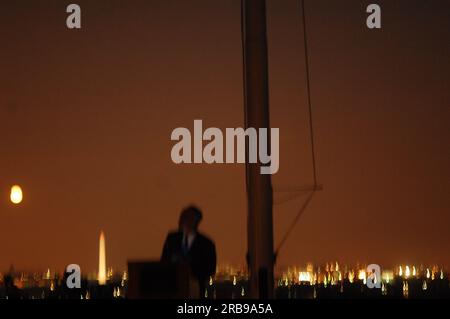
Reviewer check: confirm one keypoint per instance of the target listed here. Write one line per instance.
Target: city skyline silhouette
(86, 117)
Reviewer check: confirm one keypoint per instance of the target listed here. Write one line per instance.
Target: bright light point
(362, 275)
(16, 194)
(407, 272)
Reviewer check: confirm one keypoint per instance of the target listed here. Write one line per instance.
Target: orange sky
(86, 117)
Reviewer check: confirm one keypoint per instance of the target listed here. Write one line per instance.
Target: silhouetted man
(188, 245)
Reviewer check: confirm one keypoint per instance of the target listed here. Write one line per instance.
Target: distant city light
(47, 274)
(292, 282)
(405, 289)
(387, 275)
(407, 272)
(351, 276)
(16, 194)
(304, 276)
(362, 275)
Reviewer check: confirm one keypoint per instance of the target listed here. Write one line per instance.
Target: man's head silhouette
(190, 218)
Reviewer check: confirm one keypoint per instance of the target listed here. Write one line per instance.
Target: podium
(161, 280)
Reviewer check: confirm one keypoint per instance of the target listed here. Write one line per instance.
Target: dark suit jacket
(201, 256)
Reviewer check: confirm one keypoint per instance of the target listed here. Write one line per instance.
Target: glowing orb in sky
(16, 194)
